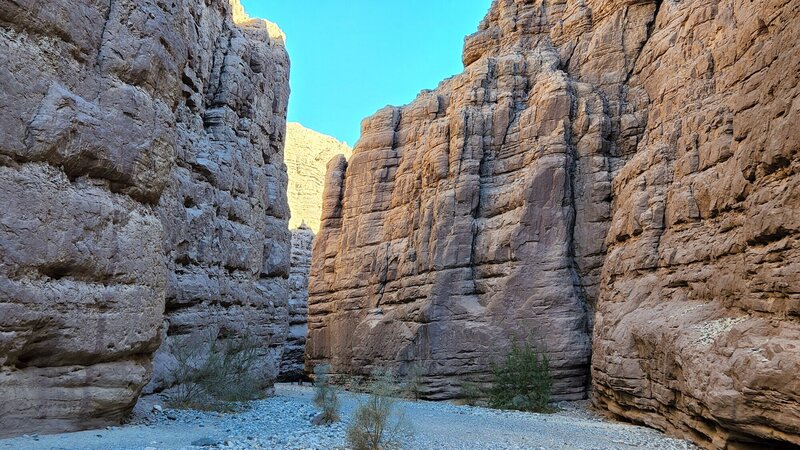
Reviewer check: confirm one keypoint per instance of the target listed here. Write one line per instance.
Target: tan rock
(116, 116)
(307, 154)
(637, 157)
(476, 214)
(697, 328)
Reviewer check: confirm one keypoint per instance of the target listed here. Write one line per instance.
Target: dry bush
(210, 373)
(376, 424)
(471, 394)
(413, 381)
(325, 396)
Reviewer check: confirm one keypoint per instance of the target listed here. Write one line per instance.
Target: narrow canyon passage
(611, 182)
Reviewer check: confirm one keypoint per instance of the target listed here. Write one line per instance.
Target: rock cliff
(225, 210)
(698, 321)
(293, 362)
(307, 154)
(140, 159)
(477, 214)
(630, 157)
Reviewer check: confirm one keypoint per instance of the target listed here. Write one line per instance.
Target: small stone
(319, 419)
(158, 408)
(204, 442)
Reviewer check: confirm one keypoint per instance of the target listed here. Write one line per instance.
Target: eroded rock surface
(477, 214)
(225, 209)
(96, 97)
(633, 156)
(307, 156)
(293, 362)
(698, 321)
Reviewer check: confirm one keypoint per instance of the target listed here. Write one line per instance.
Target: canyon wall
(698, 321)
(476, 215)
(293, 362)
(635, 158)
(307, 154)
(225, 210)
(140, 160)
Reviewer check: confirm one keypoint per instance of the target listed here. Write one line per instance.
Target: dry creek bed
(284, 422)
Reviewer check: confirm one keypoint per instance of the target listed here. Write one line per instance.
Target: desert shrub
(470, 394)
(413, 382)
(210, 373)
(523, 380)
(376, 424)
(357, 383)
(325, 396)
(352, 383)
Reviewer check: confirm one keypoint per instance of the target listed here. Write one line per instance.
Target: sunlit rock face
(307, 156)
(477, 214)
(633, 159)
(140, 163)
(698, 321)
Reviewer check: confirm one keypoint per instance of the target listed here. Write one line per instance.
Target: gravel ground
(283, 422)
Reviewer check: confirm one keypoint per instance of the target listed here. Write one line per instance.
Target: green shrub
(471, 393)
(376, 425)
(210, 373)
(413, 382)
(325, 396)
(522, 381)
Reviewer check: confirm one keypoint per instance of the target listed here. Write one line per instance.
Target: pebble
(204, 442)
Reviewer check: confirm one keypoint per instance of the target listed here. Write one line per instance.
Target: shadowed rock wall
(122, 123)
(293, 362)
(225, 209)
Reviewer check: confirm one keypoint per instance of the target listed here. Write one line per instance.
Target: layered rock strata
(477, 215)
(307, 155)
(117, 116)
(225, 209)
(698, 321)
(632, 156)
(293, 362)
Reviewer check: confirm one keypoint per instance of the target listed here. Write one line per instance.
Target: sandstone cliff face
(225, 210)
(636, 157)
(477, 214)
(96, 97)
(293, 362)
(698, 321)
(307, 154)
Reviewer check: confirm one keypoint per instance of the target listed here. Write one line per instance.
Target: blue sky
(353, 57)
